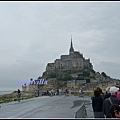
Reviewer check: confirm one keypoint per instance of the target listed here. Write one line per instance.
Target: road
(44, 107)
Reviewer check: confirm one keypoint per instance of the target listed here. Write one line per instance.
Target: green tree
(87, 80)
(86, 73)
(80, 78)
(52, 74)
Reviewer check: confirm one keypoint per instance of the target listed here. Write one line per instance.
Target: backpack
(110, 106)
(110, 101)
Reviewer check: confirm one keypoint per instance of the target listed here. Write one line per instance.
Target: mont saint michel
(72, 71)
(74, 67)
(73, 61)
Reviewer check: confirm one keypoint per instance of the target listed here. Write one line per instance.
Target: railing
(81, 112)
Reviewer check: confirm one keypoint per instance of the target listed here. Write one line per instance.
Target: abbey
(73, 61)
(71, 71)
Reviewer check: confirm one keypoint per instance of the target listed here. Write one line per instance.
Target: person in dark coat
(19, 94)
(97, 104)
(114, 99)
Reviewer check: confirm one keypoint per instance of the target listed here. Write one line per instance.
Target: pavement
(89, 109)
(77, 101)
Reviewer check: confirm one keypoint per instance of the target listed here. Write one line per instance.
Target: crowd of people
(106, 105)
(57, 91)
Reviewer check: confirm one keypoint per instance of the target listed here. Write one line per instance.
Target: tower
(71, 50)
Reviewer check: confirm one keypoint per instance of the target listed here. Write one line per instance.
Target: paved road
(46, 107)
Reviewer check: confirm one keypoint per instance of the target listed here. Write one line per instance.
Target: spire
(71, 50)
(71, 41)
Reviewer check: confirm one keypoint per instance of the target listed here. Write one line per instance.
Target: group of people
(106, 105)
(52, 92)
(58, 91)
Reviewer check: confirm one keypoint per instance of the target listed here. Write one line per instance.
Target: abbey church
(73, 61)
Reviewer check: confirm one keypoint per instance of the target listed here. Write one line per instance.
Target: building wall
(30, 88)
(73, 61)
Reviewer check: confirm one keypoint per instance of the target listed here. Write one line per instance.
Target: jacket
(97, 104)
(118, 95)
(107, 104)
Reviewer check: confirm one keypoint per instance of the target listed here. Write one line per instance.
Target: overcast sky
(33, 34)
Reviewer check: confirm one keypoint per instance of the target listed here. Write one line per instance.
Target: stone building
(29, 88)
(73, 61)
(33, 85)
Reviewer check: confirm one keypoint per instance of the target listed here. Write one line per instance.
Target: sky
(33, 34)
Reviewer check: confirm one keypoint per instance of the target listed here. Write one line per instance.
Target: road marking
(43, 108)
(44, 97)
(46, 108)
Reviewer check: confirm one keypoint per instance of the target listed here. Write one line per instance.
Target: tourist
(114, 111)
(113, 98)
(101, 92)
(107, 95)
(60, 91)
(97, 104)
(19, 94)
(66, 91)
(81, 93)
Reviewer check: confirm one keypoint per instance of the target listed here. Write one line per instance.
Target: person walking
(47, 93)
(97, 104)
(81, 93)
(57, 91)
(60, 91)
(66, 92)
(19, 95)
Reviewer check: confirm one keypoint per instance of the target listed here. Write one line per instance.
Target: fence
(81, 112)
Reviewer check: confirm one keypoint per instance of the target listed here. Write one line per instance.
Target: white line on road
(43, 108)
(46, 108)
